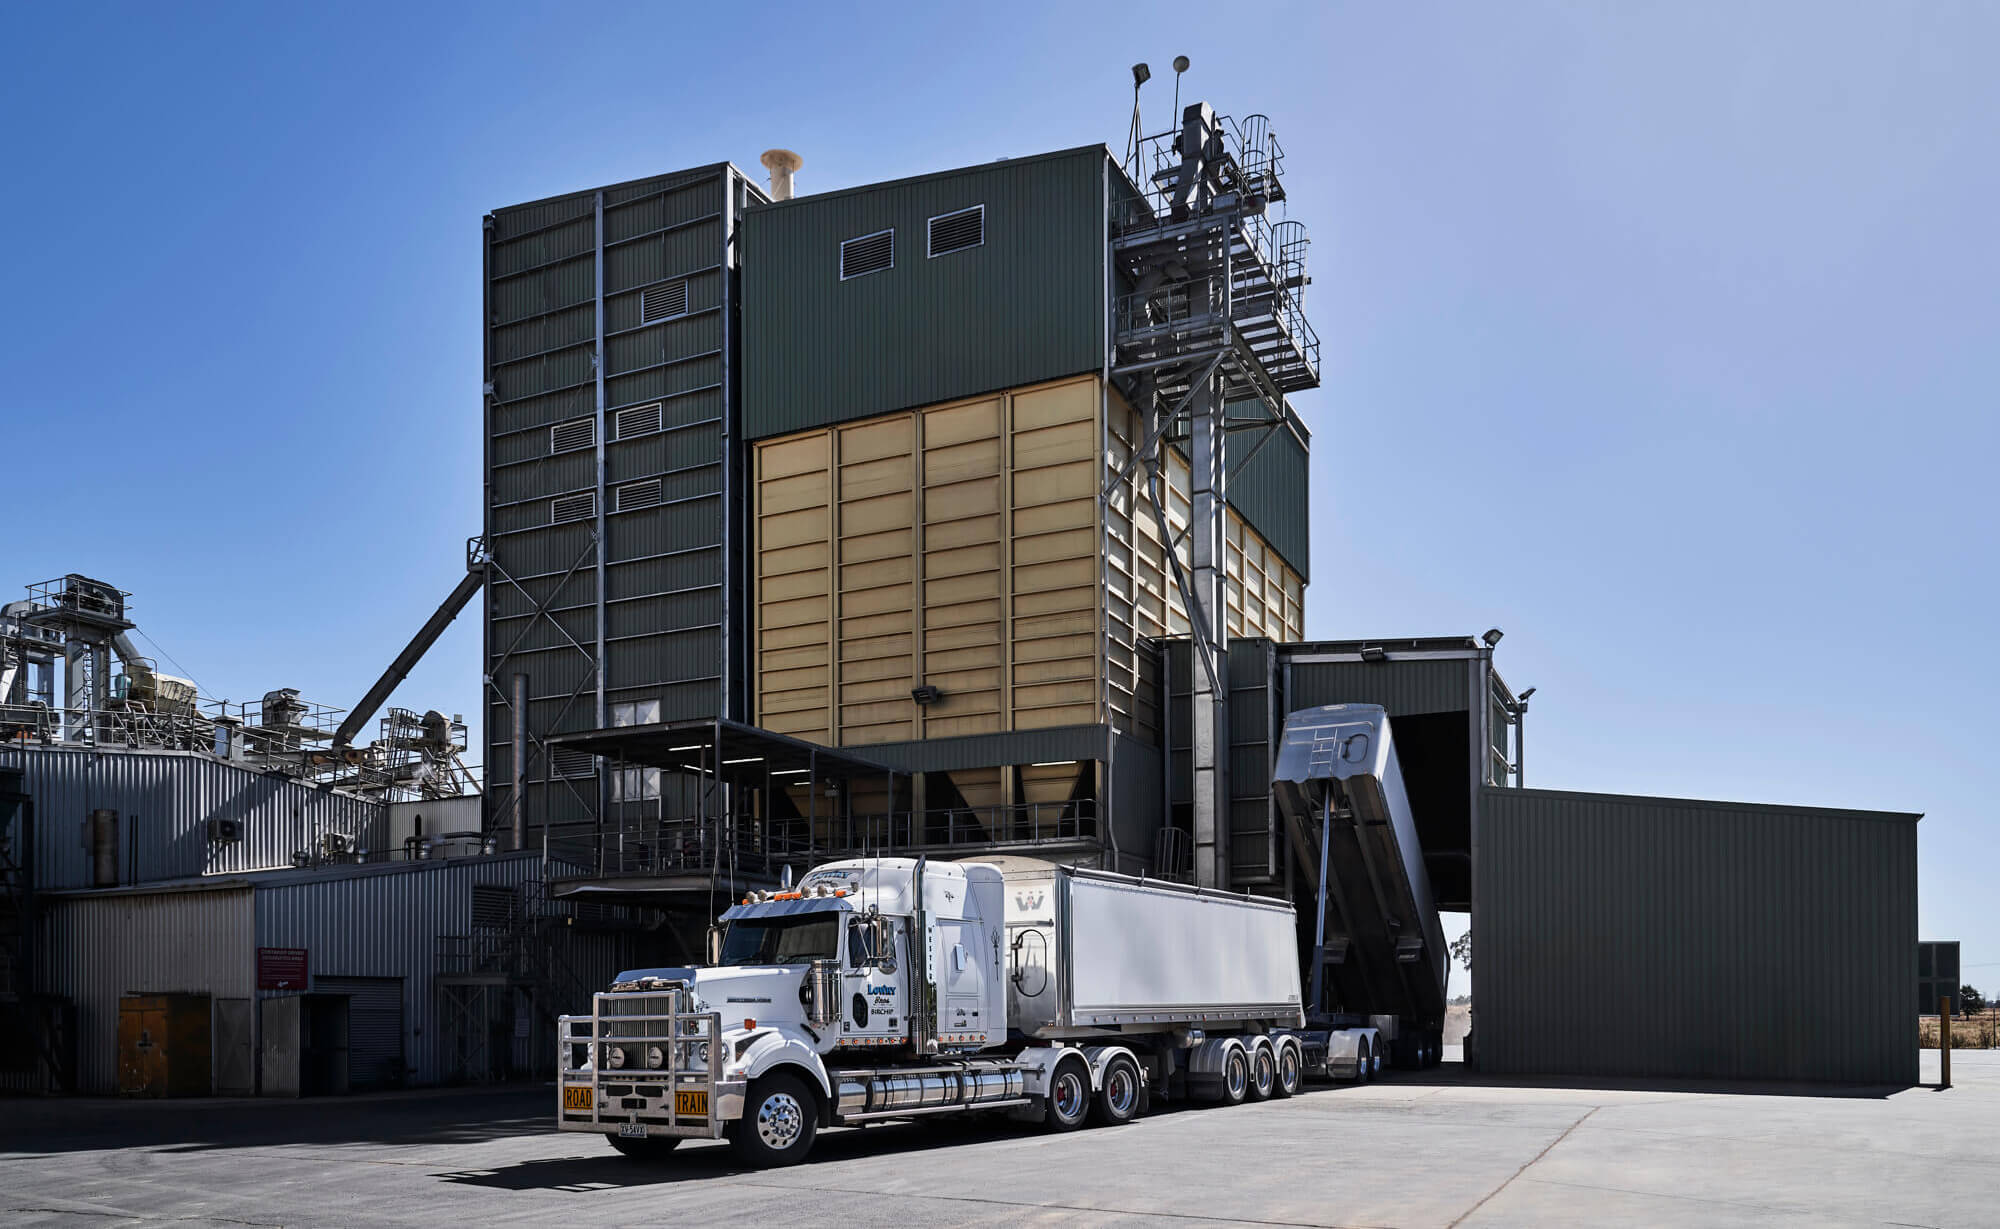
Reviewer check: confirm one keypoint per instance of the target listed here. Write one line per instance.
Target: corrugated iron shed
(164, 801)
(201, 936)
(1628, 936)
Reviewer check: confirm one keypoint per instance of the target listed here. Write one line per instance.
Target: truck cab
(866, 962)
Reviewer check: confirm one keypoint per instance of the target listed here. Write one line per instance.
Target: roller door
(374, 1029)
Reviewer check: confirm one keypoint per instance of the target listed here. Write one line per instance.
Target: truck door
(876, 1011)
(962, 977)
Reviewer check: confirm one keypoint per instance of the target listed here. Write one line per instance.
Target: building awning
(730, 750)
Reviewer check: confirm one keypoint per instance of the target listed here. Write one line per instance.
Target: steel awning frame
(730, 751)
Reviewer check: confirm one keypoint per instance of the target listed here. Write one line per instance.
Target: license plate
(631, 1130)
(691, 1102)
(576, 1097)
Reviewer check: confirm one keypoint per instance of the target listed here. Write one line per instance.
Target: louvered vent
(573, 508)
(639, 420)
(572, 435)
(868, 254)
(571, 763)
(492, 906)
(663, 302)
(639, 495)
(955, 232)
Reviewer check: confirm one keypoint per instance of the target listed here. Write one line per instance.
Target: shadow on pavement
(694, 1162)
(447, 1116)
(1457, 1075)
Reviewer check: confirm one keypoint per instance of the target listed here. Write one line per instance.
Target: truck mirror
(714, 945)
(885, 943)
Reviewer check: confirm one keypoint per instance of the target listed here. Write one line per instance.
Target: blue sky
(1662, 337)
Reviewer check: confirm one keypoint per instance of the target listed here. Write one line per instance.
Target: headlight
(654, 1058)
(614, 1057)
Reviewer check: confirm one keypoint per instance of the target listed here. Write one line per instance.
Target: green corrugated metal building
(612, 460)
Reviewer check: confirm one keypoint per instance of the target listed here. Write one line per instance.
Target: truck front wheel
(1069, 1096)
(778, 1123)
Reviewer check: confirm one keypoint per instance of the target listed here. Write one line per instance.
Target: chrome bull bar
(683, 1096)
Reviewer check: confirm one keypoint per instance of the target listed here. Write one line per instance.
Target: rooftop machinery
(114, 697)
(1207, 339)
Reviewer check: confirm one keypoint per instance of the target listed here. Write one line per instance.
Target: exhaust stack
(782, 163)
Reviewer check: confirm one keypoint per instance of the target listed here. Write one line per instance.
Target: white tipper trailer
(886, 988)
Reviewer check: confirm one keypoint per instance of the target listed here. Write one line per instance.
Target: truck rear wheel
(1364, 1062)
(652, 1148)
(779, 1120)
(1235, 1076)
(1291, 1071)
(1119, 1098)
(1263, 1072)
(1069, 1096)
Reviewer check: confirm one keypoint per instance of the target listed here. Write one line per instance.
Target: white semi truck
(888, 988)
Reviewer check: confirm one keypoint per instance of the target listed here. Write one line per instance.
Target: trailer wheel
(779, 1120)
(1291, 1070)
(1364, 1064)
(1263, 1072)
(1235, 1076)
(652, 1148)
(1121, 1095)
(1069, 1096)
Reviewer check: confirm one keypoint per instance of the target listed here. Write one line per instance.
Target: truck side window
(860, 946)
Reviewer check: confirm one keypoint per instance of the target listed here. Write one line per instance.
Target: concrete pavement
(1437, 1149)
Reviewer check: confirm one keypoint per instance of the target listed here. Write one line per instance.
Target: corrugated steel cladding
(1025, 307)
(98, 949)
(662, 574)
(372, 921)
(1713, 939)
(1255, 696)
(1272, 492)
(386, 924)
(1404, 688)
(164, 801)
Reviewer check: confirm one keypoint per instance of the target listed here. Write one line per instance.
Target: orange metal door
(142, 1051)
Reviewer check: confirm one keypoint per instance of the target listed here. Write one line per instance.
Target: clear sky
(1665, 337)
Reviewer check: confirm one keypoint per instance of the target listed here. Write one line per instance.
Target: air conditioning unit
(336, 844)
(224, 831)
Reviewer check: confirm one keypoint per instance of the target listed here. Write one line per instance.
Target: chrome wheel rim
(1239, 1076)
(1121, 1091)
(779, 1121)
(1069, 1095)
(1288, 1070)
(1266, 1072)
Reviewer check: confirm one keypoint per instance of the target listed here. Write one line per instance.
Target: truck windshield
(782, 940)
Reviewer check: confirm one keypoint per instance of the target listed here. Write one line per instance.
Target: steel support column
(1207, 556)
